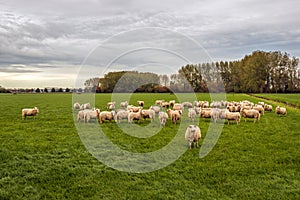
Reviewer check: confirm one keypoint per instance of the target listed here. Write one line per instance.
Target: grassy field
(290, 99)
(45, 158)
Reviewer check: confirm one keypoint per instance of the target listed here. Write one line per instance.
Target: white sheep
(259, 108)
(215, 114)
(187, 104)
(205, 113)
(106, 115)
(111, 105)
(121, 114)
(91, 114)
(132, 108)
(29, 112)
(165, 104)
(268, 107)
(124, 104)
(231, 116)
(156, 109)
(86, 106)
(192, 114)
(163, 117)
(177, 106)
(175, 115)
(148, 114)
(158, 102)
(141, 103)
(76, 106)
(135, 116)
(280, 110)
(250, 114)
(193, 134)
(172, 102)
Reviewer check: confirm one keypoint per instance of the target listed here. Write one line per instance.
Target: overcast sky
(56, 42)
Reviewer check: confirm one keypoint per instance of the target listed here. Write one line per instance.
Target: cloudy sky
(55, 43)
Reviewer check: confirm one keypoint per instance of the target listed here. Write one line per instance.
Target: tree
(45, 90)
(53, 90)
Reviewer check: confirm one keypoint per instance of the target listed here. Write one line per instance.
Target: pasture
(290, 99)
(45, 158)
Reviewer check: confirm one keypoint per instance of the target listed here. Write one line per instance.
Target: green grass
(290, 99)
(45, 158)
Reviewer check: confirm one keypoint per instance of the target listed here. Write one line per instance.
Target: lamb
(192, 114)
(141, 103)
(121, 114)
(163, 117)
(156, 109)
(230, 116)
(268, 107)
(280, 110)
(148, 114)
(76, 106)
(250, 114)
(135, 116)
(175, 115)
(29, 112)
(106, 115)
(193, 134)
(124, 104)
(92, 114)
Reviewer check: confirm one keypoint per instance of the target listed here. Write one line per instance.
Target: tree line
(256, 73)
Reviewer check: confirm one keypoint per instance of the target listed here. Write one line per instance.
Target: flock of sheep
(221, 110)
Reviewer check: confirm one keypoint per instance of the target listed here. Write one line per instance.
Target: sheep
(250, 114)
(216, 104)
(205, 113)
(193, 134)
(205, 104)
(280, 110)
(76, 106)
(261, 103)
(172, 102)
(158, 102)
(163, 117)
(106, 115)
(222, 113)
(268, 107)
(187, 105)
(165, 105)
(177, 106)
(215, 114)
(175, 115)
(132, 108)
(156, 109)
(141, 103)
(124, 104)
(92, 114)
(135, 116)
(81, 115)
(192, 114)
(29, 112)
(230, 116)
(111, 105)
(198, 110)
(86, 106)
(148, 114)
(259, 108)
(121, 114)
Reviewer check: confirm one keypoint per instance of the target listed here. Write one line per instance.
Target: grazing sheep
(165, 105)
(250, 114)
(29, 112)
(124, 104)
(230, 116)
(135, 116)
(76, 106)
(193, 134)
(158, 102)
(215, 114)
(106, 115)
(192, 114)
(132, 108)
(92, 114)
(216, 104)
(268, 107)
(175, 115)
(156, 109)
(148, 114)
(205, 104)
(280, 110)
(141, 103)
(121, 114)
(261, 103)
(187, 104)
(259, 108)
(163, 117)
(206, 113)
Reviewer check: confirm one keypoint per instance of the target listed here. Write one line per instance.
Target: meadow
(290, 99)
(45, 158)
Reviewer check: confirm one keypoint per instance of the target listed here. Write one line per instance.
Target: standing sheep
(92, 114)
(135, 116)
(29, 112)
(121, 114)
(148, 114)
(76, 106)
(192, 114)
(250, 114)
(141, 103)
(163, 117)
(175, 115)
(193, 134)
(230, 116)
(106, 115)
